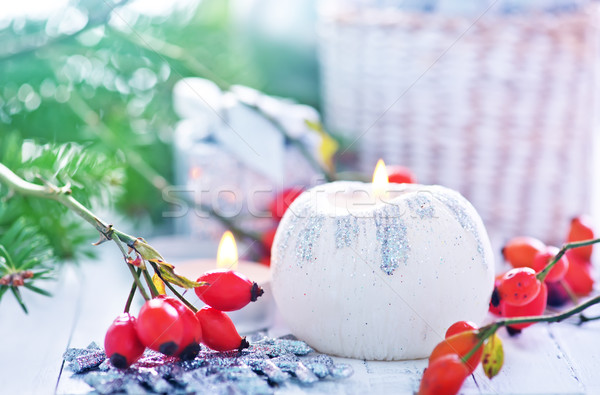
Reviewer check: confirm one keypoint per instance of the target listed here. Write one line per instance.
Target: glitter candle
(378, 274)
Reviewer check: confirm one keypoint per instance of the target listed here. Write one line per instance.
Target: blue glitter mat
(267, 364)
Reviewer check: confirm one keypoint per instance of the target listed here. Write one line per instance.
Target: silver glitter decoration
(391, 234)
(346, 231)
(267, 364)
(289, 229)
(307, 238)
(82, 359)
(464, 219)
(293, 365)
(421, 206)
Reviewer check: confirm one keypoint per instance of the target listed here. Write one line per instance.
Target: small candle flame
(227, 254)
(380, 180)
(195, 173)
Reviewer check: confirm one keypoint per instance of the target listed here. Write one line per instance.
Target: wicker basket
(500, 110)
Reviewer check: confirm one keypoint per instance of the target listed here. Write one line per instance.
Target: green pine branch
(37, 234)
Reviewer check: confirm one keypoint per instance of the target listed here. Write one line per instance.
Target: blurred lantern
(236, 149)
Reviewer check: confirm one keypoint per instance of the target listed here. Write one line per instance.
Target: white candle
(380, 275)
(254, 316)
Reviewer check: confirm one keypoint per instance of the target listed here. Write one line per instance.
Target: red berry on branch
(121, 342)
(159, 326)
(544, 257)
(227, 290)
(536, 307)
(267, 239)
(579, 277)
(400, 175)
(459, 327)
(265, 260)
(519, 286)
(192, 331)
(218, 331)
(520, 251)
(581, 229)
(460, 344)
(444, 376)
(282, 201)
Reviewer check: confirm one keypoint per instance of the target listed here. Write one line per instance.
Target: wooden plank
(32, 345)
(533, 364)
(580, 346)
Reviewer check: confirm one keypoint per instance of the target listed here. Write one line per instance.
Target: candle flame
(380, 180)
(195, 173)
(227, 254)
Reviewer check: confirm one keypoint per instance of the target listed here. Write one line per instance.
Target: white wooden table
(557, 358)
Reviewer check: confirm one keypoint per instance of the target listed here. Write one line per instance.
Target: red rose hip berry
(121, 343)
(192, 331)
(519, 286)
(283, 200)
(559, 269)
(400, 175)
(159, 326)
(267, 239)
(536, 307)
(520, 251)
(227, 290)
(444, 376)
(579, 276)
(461, 344)
(581, 229)
(459, 327)
(218, 331)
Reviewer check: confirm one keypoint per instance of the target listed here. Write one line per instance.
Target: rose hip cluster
(523, 291)
(167, 325)
(526, 289)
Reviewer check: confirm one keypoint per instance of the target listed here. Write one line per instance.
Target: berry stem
(175, 292)
(551, 317)
(136, 278)
(486, 331)
(132, 293)
(151, 285)
(483, 334)
(542, 275)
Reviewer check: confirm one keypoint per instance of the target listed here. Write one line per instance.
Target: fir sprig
(36, 234)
